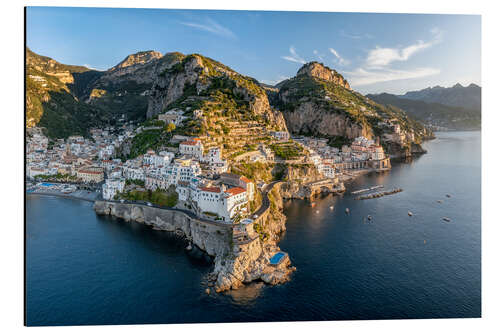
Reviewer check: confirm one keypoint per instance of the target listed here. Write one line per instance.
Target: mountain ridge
(458, 95)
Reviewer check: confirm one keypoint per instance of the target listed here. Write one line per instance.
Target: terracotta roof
(235, 190)
(210, 189)
(245, 179)
(190, 143)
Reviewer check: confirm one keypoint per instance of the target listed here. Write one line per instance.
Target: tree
(170, 127)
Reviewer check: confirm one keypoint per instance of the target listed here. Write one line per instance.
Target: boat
(347, 210)
(410, 213)
(331, 207)
(440, 201)
(448, 196)
(369, 217)
(317, 211)
(447, 219)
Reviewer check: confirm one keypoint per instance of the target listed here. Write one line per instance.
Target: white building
(378, 153)
(172, 117)
(225, 203)
(192, 148)
(162, 159)
(182, 169)
(281, 135)
(112, 187)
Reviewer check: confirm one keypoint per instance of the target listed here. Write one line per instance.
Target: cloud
(383, 56)
(294, 57)
(362, 77)
(320, 56)
(274, 82)
(92, 67)
(341, 61)
(354, 36)
(212, 27)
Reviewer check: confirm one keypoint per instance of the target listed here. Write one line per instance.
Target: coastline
(62, 195)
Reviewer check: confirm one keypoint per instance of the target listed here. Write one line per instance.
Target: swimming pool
(47, 184)
(276, 259)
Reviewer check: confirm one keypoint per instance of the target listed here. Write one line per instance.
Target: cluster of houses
(80, 157)
(199, 174)
(361, 154)
(212, 193)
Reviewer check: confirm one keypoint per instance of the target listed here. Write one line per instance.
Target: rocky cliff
(317, 70)
(318, 101)
(250, 261)
(234, 263)
(201, 82)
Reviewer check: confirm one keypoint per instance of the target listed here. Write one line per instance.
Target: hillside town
(199, 178)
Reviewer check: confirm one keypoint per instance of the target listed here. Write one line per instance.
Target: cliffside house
(192, 148)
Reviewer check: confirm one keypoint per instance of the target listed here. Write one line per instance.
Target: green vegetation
(137, 182)
(287, 150)
(57, 177)
(263, 235)
(158, 197)
(253, 171)
(149, 139)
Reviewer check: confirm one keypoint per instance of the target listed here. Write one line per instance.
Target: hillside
(221, 105)
(459, 96)
(50, 102)
(434, 114)
(66, 99)
(319, 101)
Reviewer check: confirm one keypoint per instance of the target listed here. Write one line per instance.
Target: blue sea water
(85, 269)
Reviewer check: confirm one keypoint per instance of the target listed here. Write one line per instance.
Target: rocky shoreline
(235, 263)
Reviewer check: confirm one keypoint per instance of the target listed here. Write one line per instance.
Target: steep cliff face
(250, 262)
(308, 118)
(213, 239)
(234, 264)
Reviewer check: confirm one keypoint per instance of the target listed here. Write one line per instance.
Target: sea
(84, 269)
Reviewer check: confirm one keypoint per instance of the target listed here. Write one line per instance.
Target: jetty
(379, 194)
(367, 189)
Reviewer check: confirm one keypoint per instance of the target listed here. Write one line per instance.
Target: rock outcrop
(320, 71)
(137, 58)
(308, 118)
(209, 237)
(235, 263)
(318, 101)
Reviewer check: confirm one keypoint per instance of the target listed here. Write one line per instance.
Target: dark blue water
(85, 269)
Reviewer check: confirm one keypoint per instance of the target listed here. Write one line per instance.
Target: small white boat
(347, 210)
(440, 201)
(447, 219)
(410, 213)
(331, 207)
(448, 196)
(369, 217)
(317, 211)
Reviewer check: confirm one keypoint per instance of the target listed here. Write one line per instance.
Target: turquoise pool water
(276, 259)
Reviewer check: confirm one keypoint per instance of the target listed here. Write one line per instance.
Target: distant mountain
(467, 97)
(435, 114)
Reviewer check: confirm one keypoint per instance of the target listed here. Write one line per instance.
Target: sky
(376, 53)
